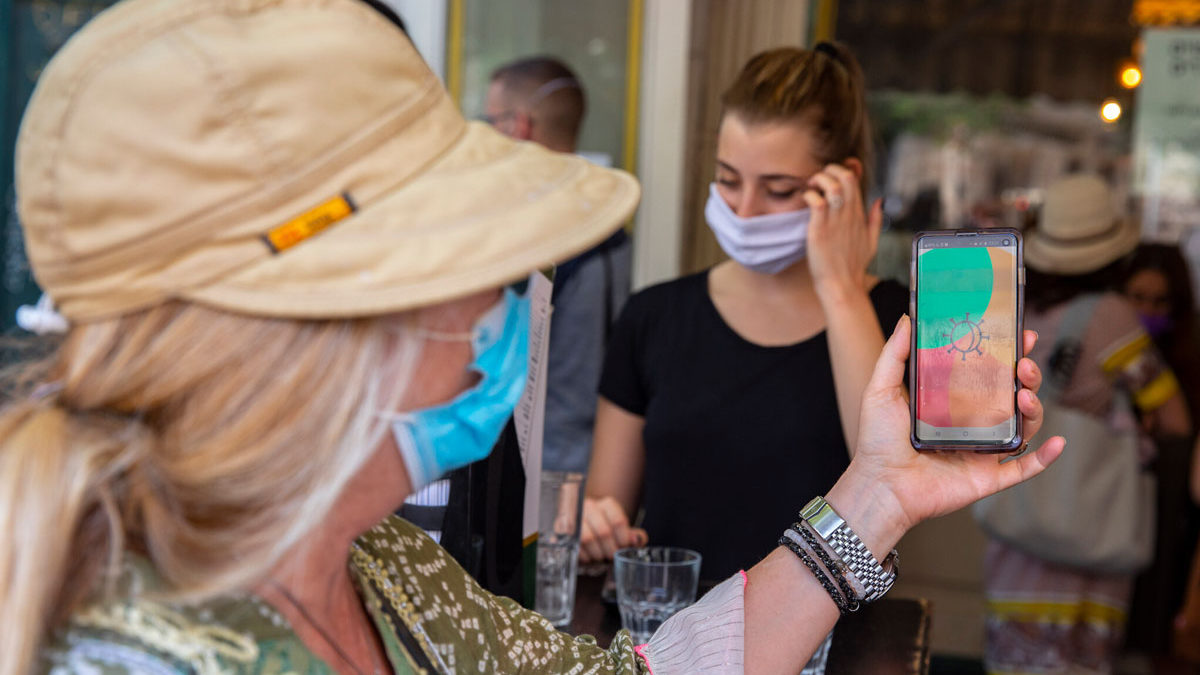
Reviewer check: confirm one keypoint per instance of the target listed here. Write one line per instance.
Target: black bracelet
(854, 602)
(792, 546)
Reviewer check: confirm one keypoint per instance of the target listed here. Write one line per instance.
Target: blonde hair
(822, 88)
(208, 441)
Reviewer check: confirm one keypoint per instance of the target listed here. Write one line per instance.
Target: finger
(1031, 411)
(615, 526)
(600, 540)
(589, 549)
(1031, 339)
(831, 188)
(640, 537)
(1029, 374)
(890, 368)
(618, 522)
(1031, 464)
(818, 214)
(848, 180)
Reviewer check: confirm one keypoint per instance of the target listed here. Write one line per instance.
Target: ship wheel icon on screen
(968, 331)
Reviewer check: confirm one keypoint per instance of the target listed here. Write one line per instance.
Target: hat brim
(487, 212)
(1057, 257)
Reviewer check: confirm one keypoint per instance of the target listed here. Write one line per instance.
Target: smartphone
(966, 300)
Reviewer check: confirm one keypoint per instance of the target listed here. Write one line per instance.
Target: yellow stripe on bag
(309, 223)
(1099, 613)
(1158, 392)
(1120, 357)
(1035, 612)
(1062, 613)
(1057, 613)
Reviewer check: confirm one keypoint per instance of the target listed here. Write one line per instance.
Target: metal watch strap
(875, 578)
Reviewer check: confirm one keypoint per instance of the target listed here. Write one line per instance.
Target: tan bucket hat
(290, 158)
(1080, 229)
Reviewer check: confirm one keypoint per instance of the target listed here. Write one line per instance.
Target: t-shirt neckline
(711, 307)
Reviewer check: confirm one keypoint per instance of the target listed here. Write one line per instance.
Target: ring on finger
(835, 201)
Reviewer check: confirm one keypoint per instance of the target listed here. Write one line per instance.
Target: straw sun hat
(1080, 229)
(290, 158)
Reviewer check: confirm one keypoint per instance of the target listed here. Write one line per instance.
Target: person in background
(1044, 617)
(202, 477)
(746, 380)
(1158, 283)
(539, 99)
(1159, 286)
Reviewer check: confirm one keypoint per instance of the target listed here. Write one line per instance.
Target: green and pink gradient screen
(966, 339)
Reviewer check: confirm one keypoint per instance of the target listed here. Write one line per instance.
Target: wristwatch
(874, 577)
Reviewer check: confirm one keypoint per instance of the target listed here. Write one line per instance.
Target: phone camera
(1006, 242)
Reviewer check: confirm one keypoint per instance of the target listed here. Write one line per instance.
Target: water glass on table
(653, 582)
(558, 545)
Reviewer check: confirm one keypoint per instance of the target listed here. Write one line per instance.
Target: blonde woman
(282, 255)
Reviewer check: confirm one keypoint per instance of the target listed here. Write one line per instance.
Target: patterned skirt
(1047, 618)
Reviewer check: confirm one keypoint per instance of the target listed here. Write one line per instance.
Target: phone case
(1018, 441)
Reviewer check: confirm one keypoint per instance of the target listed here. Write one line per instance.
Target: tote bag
(1094, 507)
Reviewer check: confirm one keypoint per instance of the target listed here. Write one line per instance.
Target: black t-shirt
(738, 436)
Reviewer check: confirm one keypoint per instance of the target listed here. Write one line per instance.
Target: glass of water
(558, 545)
(653, 583)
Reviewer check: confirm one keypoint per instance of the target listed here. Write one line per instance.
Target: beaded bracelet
(836, 569)
(811, 564)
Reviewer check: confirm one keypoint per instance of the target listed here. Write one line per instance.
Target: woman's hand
(890, 487)
(605, 529)
(842, 240)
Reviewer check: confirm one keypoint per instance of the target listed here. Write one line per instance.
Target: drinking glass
(653, 583)
(558, 545)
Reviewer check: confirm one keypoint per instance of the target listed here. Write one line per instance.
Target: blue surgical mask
(439, 439)
(767, 244)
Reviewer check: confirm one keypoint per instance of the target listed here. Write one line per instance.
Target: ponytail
(59, 516)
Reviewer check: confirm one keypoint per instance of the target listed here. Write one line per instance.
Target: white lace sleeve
(707, 637)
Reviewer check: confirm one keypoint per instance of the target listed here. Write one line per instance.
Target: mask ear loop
(409, 348)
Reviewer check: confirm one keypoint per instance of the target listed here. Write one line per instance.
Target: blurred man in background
(540, 99)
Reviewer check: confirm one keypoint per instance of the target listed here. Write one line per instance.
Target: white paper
(530, 415)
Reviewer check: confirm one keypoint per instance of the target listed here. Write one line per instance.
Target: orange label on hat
(309, 223)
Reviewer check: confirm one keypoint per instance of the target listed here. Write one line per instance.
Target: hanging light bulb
(1131, 76)
(1110, 110)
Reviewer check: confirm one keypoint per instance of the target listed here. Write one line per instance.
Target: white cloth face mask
(767, 244)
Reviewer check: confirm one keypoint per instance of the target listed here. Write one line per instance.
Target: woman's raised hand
(893, 487)
(605, 529)
(842, 236)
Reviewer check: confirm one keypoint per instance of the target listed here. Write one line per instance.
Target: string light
(1110, 110)
(1131, 76)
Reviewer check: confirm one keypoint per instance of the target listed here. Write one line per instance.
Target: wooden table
(889, 637)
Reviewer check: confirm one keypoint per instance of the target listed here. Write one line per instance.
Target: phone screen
(966, 314)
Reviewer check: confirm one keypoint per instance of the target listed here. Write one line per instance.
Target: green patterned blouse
(429, 611)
